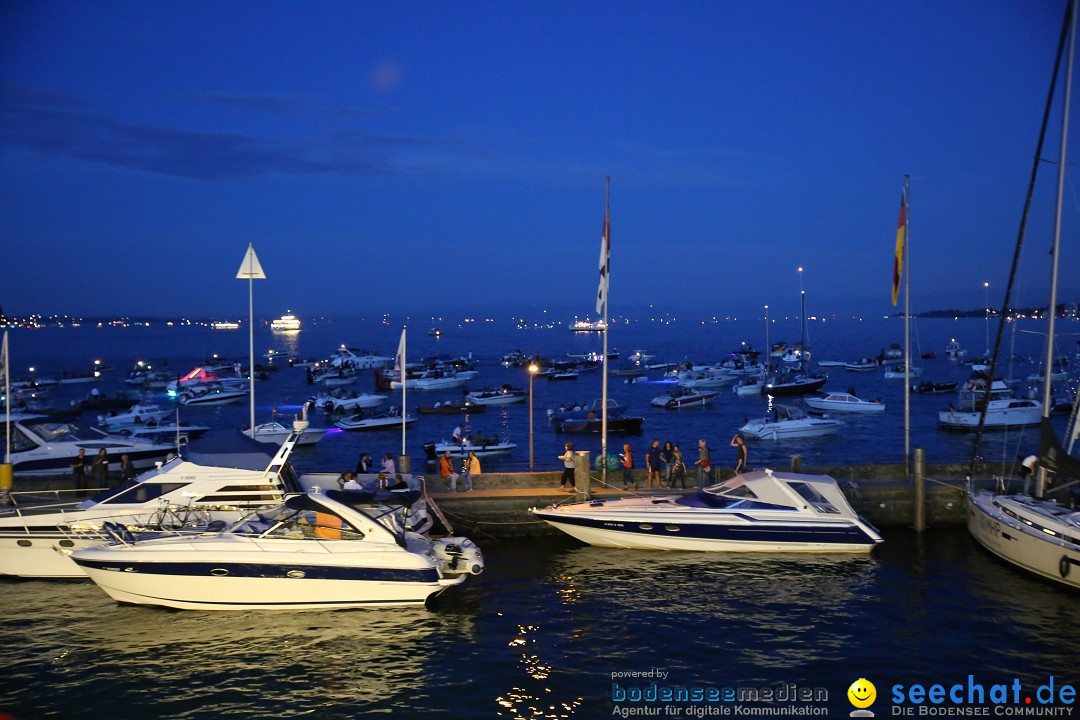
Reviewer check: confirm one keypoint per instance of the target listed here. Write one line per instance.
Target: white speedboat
(316, 550)
(505, 395)
(141, 414)
(707, 378)
(479, 443)
(787, 421)
(43, 446)
(360, 359)
(374, 421)
(338, 401)
(862, 364)
(285, 324)
(760, 511)
(844, 402)
(212, 393)
(276, 433)
(684, 397)
(748, 387)
(211, 481)
(435, 380)
(1002, 409)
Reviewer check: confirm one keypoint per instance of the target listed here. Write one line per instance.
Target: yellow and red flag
(898, 260)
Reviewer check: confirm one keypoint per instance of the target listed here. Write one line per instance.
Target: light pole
(533, 369)
(986, 315)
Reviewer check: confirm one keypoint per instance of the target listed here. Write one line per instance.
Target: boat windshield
(809, 493)
(739, 498)
(52, 432)
(298, 523)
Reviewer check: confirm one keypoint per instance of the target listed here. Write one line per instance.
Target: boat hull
(1019, 545)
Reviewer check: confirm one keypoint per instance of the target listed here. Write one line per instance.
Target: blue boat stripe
(261, 570)
(699, 531)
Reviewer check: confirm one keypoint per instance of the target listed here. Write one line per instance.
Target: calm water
(542, 631)
(865, 439)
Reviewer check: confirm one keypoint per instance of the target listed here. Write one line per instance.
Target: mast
(403, 406)
(606, 286)
(1040, 478)
(907, 329)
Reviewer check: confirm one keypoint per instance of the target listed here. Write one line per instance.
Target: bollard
(919, 490)
(581, 473)
(796, 463)
(6, 475)
(404, 465)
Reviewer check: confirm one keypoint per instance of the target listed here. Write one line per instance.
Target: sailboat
(1036, 533)
(796, 381)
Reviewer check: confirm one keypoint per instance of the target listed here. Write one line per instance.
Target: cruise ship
(588, 326)
(226, 325)
(285, 324)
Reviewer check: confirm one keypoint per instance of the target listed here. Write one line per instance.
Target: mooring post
(404, 465)
(581, 473)
(919, 490)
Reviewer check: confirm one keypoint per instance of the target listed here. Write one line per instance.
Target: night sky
(434, 157)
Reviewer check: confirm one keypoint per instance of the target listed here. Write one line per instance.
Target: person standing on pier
(741, 453)
(653, 463)
(471, 470)
(627, 458)
(667, 457)
(100, 469)
(388, 467)
(704, 465)
(567, 480)
(678, 468)
(78, 470)
(127, 469)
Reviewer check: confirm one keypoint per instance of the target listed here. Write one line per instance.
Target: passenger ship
(285, 324)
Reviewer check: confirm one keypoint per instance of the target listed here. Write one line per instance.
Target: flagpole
(403, 391)
(7, 474)
(604, 359)
(907, 329)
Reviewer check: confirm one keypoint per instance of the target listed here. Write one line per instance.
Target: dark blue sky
(436, 157)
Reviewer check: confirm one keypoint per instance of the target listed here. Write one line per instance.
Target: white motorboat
(374, 421)
(787, 421)
(43, 446)
(335, 376)
(285, 324)
(1002, 409)
(435, 380)
(831, 363)
(218, 479)
(360, 359)
(316, 550)
(708, 378)
(760, 511)
(276, 433)
(862, 364)
(844, 402)
(338, 401)
(953, 349)
(505, 395)
(479, 443)
(212, 393)
(141, 414)
(684, 397)
(166, 432)
(749, 387)
(897, 372)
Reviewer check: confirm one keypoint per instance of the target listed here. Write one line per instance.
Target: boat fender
(1063, 566)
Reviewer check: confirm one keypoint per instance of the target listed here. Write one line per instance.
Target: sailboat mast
(604, 358)
(907, 327)
(403, 406)
(1051, 311)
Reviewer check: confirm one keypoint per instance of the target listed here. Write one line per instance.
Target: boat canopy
(229, 448)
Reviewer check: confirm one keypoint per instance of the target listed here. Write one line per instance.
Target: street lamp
(986, 315)
(533, 369)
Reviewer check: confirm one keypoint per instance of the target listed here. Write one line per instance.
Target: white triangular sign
(250, 269)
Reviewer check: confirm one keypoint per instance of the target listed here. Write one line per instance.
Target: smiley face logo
(862, 693)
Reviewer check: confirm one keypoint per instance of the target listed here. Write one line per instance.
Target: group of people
(470, 470)
(665, 465)
(99, 469)
(387, 471)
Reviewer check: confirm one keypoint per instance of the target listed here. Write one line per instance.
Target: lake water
(552, 625)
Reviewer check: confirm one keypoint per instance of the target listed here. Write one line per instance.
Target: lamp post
(533, 369)
(986, 316)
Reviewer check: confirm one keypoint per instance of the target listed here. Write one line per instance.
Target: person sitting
(350, 482)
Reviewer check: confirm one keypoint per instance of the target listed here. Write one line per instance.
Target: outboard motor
(429, 452)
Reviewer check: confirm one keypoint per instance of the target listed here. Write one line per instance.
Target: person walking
(100, 469)
(567, 480)
(627, 459)
(741, 453)
(470, 470)
(653, 464)
(78, 470)
(667, 457)
(678, 468)
(703, 463)
(446, 471)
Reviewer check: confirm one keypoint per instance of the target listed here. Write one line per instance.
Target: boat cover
(230, 448)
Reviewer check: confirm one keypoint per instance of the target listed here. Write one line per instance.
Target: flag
(605, 267)
(898, 260)
(399, 359)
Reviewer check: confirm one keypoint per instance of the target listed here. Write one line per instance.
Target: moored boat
(684, 397)
(844, 402)
(787, 421)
